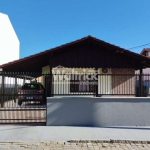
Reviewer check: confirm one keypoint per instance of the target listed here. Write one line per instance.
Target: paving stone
(105, 144)
(96, 148)
(74, 146)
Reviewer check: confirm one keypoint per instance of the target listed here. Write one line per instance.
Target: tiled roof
(37, 61)
(145, 50)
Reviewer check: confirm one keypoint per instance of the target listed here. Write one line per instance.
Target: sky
(44, 24)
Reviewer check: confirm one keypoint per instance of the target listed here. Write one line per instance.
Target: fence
(23, 95)
(71, 84)
(100, 84)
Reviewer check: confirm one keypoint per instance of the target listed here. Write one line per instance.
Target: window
(80, 83)
(31, 86)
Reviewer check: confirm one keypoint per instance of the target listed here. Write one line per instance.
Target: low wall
(99, 112)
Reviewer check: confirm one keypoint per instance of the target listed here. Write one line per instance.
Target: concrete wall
(100, 112)
(9, 42)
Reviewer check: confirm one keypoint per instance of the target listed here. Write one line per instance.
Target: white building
(9, 42)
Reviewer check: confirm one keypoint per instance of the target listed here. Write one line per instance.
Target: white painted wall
(104, 82)
(62, 82)
(9, 42)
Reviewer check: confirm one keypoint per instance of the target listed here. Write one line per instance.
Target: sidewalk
(15, 133)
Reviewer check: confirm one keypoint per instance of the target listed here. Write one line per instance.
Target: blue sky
(43, 24)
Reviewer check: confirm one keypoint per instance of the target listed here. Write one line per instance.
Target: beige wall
(45, 70)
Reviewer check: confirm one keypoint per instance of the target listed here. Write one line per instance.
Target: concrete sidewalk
(17, 133)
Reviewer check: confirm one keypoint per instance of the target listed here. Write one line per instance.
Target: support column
(96, 82)
(24, 80)
(50, 83)
(2, 91)
(140, 83)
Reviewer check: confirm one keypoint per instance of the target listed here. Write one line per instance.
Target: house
(9, 42)
(86, 69)
(113, 68)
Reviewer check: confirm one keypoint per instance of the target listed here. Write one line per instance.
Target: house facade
(71, 68)
(122, 82)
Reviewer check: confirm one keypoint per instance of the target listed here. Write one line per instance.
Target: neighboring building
(85, 56)
(146, 79)
(146, 52)
(9, 42)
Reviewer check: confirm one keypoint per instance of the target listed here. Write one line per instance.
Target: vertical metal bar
(122, 77)
(58, 83)
(2, 91)
(140, 83)
(130, 85)
(63, 83)
(148, 85)
(15, 91)
(74, 86)
(97, 82)
(101, 84)
(96, 86)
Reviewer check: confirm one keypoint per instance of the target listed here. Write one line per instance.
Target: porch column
(50, 83)
(140, 83)
(2, 91)
(96, 82)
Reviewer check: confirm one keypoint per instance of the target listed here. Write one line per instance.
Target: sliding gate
(30, 111)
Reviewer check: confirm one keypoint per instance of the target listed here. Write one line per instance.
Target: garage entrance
(22, 99)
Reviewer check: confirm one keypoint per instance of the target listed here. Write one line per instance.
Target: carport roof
(34, 63)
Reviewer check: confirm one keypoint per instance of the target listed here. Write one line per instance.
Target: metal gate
(30, 110)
